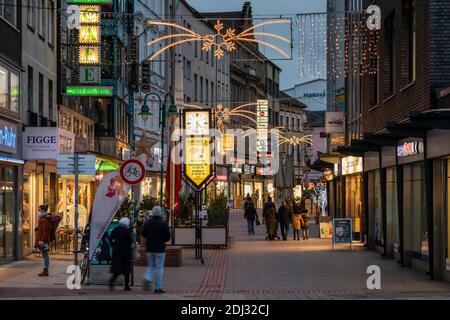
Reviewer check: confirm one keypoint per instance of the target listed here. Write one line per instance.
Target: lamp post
(171, 112)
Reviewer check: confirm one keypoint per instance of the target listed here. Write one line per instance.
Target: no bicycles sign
(132, 171)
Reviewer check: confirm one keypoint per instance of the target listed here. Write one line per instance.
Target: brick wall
(407, 96)
(439, 43)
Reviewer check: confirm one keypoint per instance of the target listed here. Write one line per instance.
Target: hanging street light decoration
(221, 40)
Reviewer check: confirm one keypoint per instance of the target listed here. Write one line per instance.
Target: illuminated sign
(197, 148)
(262, 125)
(8, 137)
(198, 157)
(227, 142)
(89, 14)
(410, 149)
(104, 91)
(351, 165)
(89, 55)
(90, 74)
(89, 34)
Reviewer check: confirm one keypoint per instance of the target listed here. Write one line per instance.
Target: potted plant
(147, 203)
(218, 211)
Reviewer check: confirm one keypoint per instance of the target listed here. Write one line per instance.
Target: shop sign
(248, 169)
(342, 231)
(334, 122)
(98, 91)
(262, 125)
(410, 149)
(89, 74)
(351, 165)
(8, 137)
(236, 169)
(40, 143)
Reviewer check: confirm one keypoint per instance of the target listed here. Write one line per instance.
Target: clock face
(197, 123)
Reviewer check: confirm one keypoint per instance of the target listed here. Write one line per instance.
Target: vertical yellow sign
(198, 159)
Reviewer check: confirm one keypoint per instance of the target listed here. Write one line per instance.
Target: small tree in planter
(125, 208)
(186, 207)
(147, 203)
(218, 211)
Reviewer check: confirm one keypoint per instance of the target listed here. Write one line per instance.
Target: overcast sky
(269, 8)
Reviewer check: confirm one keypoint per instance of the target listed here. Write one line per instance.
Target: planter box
(174, 257)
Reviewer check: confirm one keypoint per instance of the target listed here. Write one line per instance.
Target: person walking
(270, 219)
(156, 233)
(297, 221)
(43, 236)
(305, 225)
(255, 198)
(251, 215)
(121, 241)
(285, 216)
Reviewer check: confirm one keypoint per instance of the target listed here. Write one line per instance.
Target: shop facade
(11, 167)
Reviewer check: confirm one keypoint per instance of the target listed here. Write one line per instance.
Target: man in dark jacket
(121, 240)
(156, 233)
(270, 219)
(251, 215)
(285, 216)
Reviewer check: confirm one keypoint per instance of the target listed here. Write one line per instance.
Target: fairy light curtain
(341, 39)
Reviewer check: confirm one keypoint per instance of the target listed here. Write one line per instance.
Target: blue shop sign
(8, 137)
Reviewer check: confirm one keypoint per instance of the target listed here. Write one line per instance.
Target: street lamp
(172, 113)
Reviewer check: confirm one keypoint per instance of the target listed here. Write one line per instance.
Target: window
(42, 17)
(8, 10)
(207, 91)
(30, 89)
(195, 87)
(51, 23)
(9, 90)
(188, 69)
(31, 13)
(374, 92)
(409, 41)
(389, 53)
(41, 94)
(212, 92)
(50, 99)
(201, 88)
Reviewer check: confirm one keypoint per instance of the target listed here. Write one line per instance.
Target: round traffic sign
(132, 171)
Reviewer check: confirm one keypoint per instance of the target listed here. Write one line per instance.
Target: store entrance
(7, 216)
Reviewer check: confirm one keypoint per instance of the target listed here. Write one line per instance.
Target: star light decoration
(144, 146)
(220, 41)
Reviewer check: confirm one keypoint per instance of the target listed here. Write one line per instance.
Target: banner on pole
(108, 199)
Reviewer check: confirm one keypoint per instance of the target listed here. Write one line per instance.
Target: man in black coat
(121, 241)
(156, 233)
(285, 216)
(251, 215)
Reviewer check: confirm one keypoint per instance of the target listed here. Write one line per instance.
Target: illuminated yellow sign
(89, 55)
(228, 142)
(197, 159)
(89, 14)
(89, 34)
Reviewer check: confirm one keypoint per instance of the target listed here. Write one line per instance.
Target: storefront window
(3, 88)
(377, 209)
(27, 212)
(415, 208)
(448, 209)
(353, 202)
(392, 206)
(7, 213)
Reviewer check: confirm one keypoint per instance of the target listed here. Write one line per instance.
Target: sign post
(342, 232)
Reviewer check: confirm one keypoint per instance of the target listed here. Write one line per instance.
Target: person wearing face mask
(43, 236)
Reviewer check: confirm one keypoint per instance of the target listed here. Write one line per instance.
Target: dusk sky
(269, 8)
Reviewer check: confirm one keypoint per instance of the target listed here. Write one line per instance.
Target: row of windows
(43, 12)
(8, 10)
(41, 92)
(204, 90)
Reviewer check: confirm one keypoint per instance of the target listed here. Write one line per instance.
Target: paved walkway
(252, 268)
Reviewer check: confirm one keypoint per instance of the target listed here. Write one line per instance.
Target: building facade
(11, 163)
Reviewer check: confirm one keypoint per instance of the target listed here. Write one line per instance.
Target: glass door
(7, 216)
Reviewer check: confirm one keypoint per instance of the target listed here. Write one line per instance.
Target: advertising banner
(334, 122)
(108, 199)
(198, 166)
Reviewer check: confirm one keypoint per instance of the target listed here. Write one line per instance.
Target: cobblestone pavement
(252, 268)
